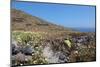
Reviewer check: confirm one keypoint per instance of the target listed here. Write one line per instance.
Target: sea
(85, 29)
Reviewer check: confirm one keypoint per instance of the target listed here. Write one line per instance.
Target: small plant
(33, 39)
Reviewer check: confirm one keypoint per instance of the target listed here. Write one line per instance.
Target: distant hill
(22, 21)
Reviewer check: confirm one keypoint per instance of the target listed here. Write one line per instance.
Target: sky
(67, 15)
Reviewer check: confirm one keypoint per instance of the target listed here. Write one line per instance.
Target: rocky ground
(41, 48)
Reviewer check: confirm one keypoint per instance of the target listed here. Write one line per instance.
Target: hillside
(25, 22)
(36, 41)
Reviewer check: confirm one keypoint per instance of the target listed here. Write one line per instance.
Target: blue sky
(65, 15)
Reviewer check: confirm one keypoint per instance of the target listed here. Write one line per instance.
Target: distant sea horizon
(85, 29)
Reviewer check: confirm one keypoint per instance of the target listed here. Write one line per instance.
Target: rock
(62, 58)
(20, 57)
(15, 49)
(28, 50)
(80, 40)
